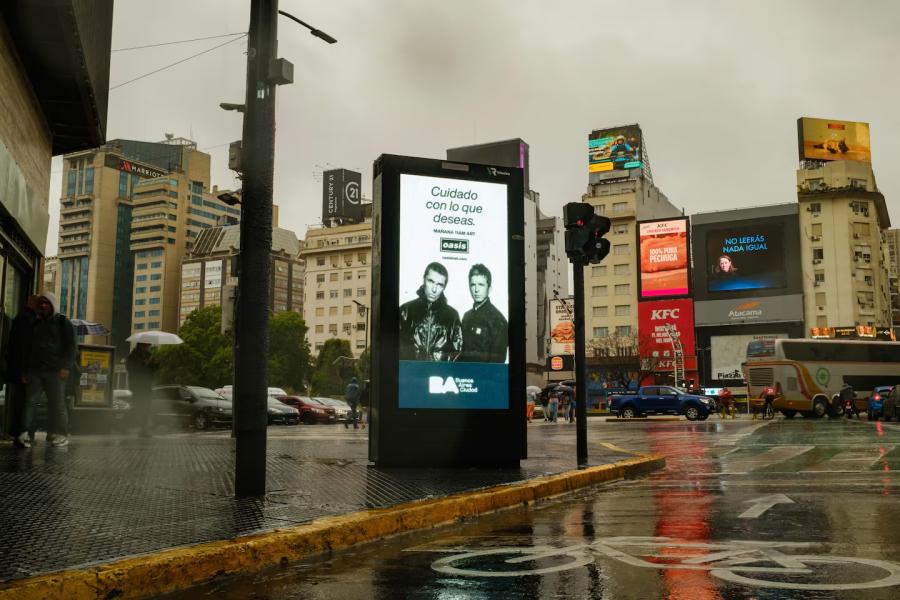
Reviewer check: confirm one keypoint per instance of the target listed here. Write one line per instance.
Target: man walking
(485, 329)
(140, 380)
(47, 365)
(21, 421)
(351, 396)
(429, 327)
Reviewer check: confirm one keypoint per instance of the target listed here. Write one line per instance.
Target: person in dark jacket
(429, 327)
(48, 363)
(22, 420)
(485, 329)
(351, 397)
(140, 379)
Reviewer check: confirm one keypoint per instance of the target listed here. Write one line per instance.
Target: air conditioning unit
(856, 236)
(809, 209)
(821, 307)
(817, 261)
(816, 238)
(818, 283)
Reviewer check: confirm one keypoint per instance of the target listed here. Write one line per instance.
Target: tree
(288, 351)
(205, 358)
(363, 366)
(334, 367)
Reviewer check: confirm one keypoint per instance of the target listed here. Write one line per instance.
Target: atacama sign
(769, 309)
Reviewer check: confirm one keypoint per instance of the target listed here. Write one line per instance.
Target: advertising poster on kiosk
(95, 386)
(453, 337)
(747, 257)
(664, 258)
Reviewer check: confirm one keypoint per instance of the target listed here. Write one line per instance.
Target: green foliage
(333, 369)
(288, 351)
(204, 359)
(363, 366)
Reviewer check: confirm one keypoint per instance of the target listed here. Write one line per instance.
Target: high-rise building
(209, 266)
(129, 210)
(552, 268)
(51, 275)
(845, 254)
(337, 299)
(54, 81)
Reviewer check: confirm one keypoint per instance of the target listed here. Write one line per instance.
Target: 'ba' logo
(438, 385)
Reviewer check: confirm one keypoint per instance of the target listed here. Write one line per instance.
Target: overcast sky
(716, 87)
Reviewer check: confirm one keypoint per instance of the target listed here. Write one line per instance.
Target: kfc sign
(654, 339)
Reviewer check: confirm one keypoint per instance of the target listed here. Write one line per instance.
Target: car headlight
(705, 400)
(318, 410)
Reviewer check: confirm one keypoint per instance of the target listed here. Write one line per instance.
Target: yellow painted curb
(179, 568)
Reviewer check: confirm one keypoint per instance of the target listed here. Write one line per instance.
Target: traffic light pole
(252, 339)
(580, 369)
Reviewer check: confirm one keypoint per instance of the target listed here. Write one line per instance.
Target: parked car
(185, 405)
(875, 407)
(891, 405)
(661, 400)
(341, 408)
(279, 412)
(227, 391)
(311, 411)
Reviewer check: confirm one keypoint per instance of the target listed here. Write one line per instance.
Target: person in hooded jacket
(47, 364)
(430, 328)
(16, 352)
(141, 367)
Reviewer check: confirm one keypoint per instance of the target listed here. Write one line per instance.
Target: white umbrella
(533, 389)
(157, 338)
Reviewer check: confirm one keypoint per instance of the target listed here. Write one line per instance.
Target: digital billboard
(562, 327)
(341, 196)
(654, 339)
(748, 257)
(664, 258)
(454, 304)
(729, 351)
(830, 139)
(615, 149)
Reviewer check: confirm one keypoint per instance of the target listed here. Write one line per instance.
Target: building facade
(845, 251)
(338, 282)
(552, 270)
(51, 275)
(129, 211)
(210, 266)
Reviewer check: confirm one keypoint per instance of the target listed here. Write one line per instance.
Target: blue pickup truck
(661, 400)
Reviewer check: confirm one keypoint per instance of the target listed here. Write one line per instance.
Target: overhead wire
(169, 66)
(209, 37)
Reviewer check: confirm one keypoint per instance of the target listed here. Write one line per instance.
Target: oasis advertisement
(745, 258)
(454, 305)
(614, 149)
(664, 258)
(830, 139)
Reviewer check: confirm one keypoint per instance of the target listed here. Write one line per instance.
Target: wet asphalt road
(787, 509)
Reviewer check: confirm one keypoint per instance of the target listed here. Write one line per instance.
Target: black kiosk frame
(411, 423)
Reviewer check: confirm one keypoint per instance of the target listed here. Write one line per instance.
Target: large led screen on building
(664, 258)
(729, 351)
(453, 338)
(749, 257)
(830, 139)
(614, 149)
(655, 343)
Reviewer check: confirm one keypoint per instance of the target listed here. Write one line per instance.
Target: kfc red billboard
(653, 317)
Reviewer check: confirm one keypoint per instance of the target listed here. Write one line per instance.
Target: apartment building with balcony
(338, 285)
(845, 246)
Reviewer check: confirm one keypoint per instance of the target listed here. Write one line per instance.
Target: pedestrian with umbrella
(141, 368)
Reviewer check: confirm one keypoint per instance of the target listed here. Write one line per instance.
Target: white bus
(809, 373)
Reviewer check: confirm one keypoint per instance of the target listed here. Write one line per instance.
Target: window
(621, 228)
(155, 277)
(360, 292)
(332, 276)
(360, 326)
(154, 300)
(333, 294)
(155, 264)
(141, 278)
(601, 332)
(623, 330)
(140, 290)
(348, 310)
(153, 313)
(320, 295)
(154, 288)
(598, 290)
(320, 261)
(362, 258)
(820, 298)
(820, 277)
(140, 302)
(816, 230)
(319, 346)
(619, 207)
(600, 311)
(320, 329)
(623, 310)
(360, 274)
(153, 324)
(620, 249)
(622, 269)
(332, 311)
(138, 325)
(346, 328)
(360, 344)
(320, 311)
(860, 207)
(142, 266)
(815, 207)
(623, 289)
(348, 275)
(860, 230)
(138, 314)
(818, 253)
(348, 293)
(332, 328)
(598, 271)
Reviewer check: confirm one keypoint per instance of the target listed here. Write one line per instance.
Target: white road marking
(762, 504)
(758, 461)
(850, 461)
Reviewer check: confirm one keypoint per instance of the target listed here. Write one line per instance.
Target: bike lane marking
(742, 466)
(851, 461)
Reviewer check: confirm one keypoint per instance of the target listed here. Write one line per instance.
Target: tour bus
(809, 373)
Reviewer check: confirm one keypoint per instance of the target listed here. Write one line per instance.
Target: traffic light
(584, 233)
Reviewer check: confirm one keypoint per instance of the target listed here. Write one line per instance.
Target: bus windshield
(760, 349)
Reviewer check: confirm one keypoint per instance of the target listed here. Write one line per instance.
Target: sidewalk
(108, 497)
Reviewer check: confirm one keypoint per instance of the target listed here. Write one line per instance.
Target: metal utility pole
(580, 369)
(252, 339)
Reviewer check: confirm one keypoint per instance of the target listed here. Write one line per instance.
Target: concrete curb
(170, 570)
(644, 419)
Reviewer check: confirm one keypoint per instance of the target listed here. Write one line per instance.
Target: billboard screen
(562, 328)
(748, 257)
(341, 196)
(615, 149)
(654, 340)
(453, 294)
(664, 258)
(829, 139)
(729, 351)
